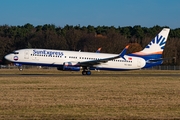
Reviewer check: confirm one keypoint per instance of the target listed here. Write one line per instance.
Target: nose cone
(8, 57)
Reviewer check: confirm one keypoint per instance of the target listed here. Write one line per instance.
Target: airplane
(65, 60)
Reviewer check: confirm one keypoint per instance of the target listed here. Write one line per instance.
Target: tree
(111, 39)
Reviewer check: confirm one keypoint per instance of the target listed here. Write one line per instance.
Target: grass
(122, 95)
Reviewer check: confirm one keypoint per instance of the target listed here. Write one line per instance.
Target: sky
(146, 13)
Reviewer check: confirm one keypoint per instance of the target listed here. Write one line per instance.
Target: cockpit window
(16, 52)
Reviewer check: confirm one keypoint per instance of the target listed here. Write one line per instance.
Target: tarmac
(93, 75)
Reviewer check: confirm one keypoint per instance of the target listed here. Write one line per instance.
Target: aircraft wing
(99, 61)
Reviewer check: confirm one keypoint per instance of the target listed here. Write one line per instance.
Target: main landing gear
(86, 71)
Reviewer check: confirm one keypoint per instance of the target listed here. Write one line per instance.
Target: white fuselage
(56, 58)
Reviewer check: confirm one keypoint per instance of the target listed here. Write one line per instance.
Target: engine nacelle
(69, 66)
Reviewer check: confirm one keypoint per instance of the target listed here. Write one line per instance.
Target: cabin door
(138, 62)
(26, 54)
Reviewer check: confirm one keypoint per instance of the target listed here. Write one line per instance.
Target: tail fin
(156, 46)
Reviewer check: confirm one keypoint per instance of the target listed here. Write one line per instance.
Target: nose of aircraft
(8, 57)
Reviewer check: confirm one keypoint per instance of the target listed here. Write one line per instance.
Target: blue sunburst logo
(158, 40)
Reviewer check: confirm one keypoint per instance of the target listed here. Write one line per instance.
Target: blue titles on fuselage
(48, 53)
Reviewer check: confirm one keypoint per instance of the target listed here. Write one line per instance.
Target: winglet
(124, 52)
(98, 50)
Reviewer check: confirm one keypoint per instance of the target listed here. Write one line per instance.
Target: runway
(56, 73)
(93, 75)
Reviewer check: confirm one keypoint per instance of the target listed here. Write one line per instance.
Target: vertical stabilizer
(156, 46)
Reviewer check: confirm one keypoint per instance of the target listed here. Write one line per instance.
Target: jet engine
(69, 66)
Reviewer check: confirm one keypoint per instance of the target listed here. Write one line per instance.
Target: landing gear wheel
(88, 72)
(20, 68)
(83, 72)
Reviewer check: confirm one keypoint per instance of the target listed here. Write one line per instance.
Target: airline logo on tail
(160, 41)
(156, 46)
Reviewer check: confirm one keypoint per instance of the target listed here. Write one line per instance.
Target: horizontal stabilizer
(160, 59)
